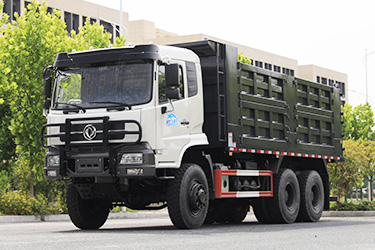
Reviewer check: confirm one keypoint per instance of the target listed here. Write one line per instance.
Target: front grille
(76, 131)
(71, 132)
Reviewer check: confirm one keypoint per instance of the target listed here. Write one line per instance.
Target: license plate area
(89, 165)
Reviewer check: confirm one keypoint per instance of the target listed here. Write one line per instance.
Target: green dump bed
(253, 110)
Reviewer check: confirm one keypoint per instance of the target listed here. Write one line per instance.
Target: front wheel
(188, 197)
(86, 213)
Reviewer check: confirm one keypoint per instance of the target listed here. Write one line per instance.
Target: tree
(7, 146)
(358, 122)
(28, 46)
(369, 163)
(343, 175)
(243, 59)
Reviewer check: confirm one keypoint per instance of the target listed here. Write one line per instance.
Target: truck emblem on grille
(89, 132)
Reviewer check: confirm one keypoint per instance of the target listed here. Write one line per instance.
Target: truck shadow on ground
(246, 226)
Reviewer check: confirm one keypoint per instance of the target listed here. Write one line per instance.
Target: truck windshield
(103, 86)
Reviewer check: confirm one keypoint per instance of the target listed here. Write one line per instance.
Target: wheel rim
(290, 196)
(315, 197)
(198, 197)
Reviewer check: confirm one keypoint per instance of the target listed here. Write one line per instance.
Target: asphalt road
(158, 233)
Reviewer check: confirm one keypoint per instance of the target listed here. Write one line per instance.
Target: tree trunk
(31, 182)
(369, 196)
(31, 175)
(356, 192)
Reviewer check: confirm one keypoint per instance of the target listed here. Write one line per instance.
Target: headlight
(136, 158)
(53, 160)
(51, 173)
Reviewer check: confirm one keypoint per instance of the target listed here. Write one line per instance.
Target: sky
(333, 34)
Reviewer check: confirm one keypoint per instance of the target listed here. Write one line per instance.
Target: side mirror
(172, 93)
(48, 88)
(172, 78)
(46, 104)
(48, 77)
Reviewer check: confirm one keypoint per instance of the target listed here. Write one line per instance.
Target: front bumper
(76, 164)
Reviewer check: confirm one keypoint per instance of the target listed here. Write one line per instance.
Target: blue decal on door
(171, 120)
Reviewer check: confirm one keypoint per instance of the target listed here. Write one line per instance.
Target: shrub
(19, 203)
(351, 206)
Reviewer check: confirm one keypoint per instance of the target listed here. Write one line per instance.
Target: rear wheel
(237, 211)
(285, 203)
(227, 211)
(312, 196)
(86, 213)
(188, 197)
(261, 210)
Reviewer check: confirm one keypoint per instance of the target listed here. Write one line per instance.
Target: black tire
(188, 197)
(262, 210)
(312, 196)
(213, 213)
(237, 211)
(227, 211)
(285, 202)
(84, 213)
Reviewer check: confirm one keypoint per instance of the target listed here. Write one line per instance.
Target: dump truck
(188, 127)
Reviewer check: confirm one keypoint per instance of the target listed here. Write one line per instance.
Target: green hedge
(351, 206)
(19, 203)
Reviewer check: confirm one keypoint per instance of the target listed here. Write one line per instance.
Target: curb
(64, 217)
(348, 213)
(151, 214)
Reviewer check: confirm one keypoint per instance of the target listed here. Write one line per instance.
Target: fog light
(134, 171)
(53, 160)
(132, 158)
(51, 173)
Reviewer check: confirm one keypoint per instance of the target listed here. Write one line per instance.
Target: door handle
(185, 123)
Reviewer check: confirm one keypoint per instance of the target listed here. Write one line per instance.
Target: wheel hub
(198, 197)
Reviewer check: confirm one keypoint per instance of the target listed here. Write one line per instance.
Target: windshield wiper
(119, 105)
(73, 105)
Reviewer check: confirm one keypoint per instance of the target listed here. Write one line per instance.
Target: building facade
(75, 12)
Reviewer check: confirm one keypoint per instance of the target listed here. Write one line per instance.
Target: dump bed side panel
(252, 110)
(284, 113)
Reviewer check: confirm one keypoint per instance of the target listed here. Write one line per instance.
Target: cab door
(173, 118)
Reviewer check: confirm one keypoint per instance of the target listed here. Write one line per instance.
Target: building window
(330, 82)
(75, 23)
(68, 21)
(117, 31)
(92, 20)
(259, 64)
(72, 21)
(287, 71)
(50, 10)
(324, 80)
(108, 28)
(276, 68)
(11, 7)
(318, 79)
(341, 86)
(268, 66)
